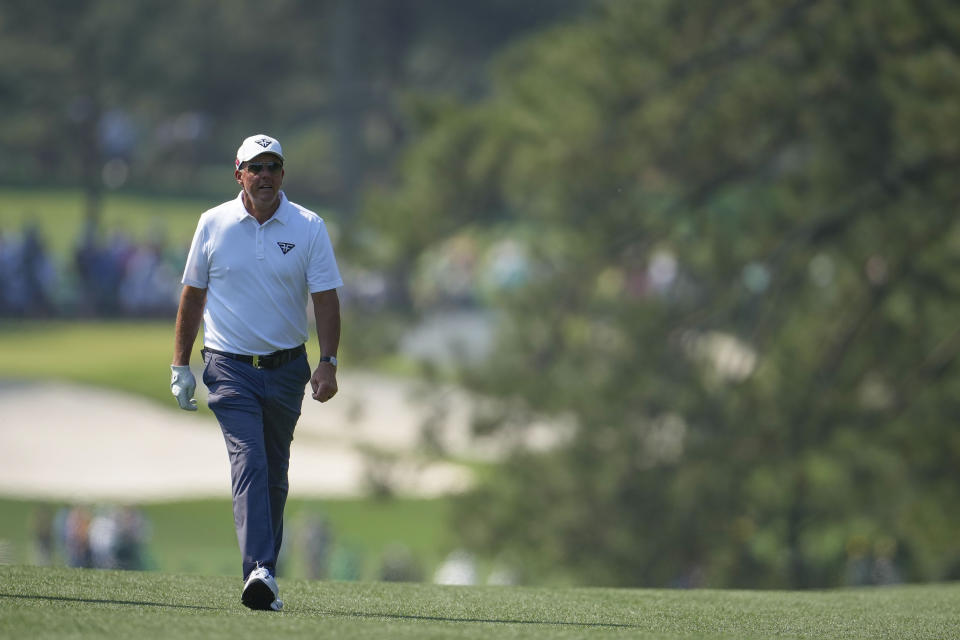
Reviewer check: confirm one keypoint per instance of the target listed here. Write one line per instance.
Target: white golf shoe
(260, 591)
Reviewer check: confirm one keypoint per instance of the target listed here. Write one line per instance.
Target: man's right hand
(182, 385)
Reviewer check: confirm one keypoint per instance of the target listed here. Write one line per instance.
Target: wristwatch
(331, 359)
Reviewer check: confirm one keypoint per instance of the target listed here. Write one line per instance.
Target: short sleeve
(196, 272)
(322, 271)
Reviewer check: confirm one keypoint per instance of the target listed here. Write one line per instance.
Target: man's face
(261, 179)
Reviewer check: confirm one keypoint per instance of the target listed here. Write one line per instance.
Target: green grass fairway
(75, 603)
(127, 355)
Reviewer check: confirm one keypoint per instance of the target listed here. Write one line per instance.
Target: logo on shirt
(285, 247)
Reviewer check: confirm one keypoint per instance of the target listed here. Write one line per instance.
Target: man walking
(252, 264)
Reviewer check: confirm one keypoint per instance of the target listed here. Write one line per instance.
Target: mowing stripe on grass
(50, 602)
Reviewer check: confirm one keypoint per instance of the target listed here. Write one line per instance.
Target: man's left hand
(324, 382)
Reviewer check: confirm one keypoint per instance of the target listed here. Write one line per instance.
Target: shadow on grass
(549, 623)
(342, 614)
(16, 596)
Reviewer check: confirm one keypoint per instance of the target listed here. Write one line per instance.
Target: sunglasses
(257, 167)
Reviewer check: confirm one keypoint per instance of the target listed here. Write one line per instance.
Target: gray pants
(257, 410)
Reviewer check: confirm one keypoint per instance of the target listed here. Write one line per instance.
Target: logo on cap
(264, 142)
(285, 246)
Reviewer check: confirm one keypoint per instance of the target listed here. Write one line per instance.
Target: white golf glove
(182, 385)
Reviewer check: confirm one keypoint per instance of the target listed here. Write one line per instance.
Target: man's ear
(236, 175)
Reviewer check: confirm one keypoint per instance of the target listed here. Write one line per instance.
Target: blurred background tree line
(160, 89)
(718, 239)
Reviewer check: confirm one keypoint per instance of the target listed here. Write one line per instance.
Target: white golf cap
(255, 145)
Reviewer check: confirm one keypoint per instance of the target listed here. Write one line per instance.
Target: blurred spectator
(692, 577)
(131, 539)
(6, 266)
(109, 538)
(149, 286)
(345, 564)
(43, 538)
(317, 538)
(872, 564)
(369, 290)
(103, 538)
(503, 576)
(399, 565)
(76, 537)
(458, 568)
(100, 270)
(29, 275)
(123, 277)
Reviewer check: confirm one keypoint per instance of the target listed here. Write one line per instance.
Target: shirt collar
(281, 215)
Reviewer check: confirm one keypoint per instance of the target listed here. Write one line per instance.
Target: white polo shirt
(257, 276)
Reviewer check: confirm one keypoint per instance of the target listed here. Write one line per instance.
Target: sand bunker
(63, 441)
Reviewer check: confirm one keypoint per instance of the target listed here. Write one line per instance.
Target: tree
(745, 296)
(166, 87)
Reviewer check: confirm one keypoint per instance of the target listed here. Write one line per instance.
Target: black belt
(269, 361)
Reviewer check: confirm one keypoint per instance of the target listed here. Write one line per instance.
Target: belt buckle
(257, 362)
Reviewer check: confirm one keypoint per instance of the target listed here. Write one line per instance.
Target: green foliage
(169, 89)
(746, 291)
(54, 603)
